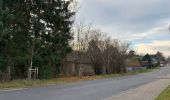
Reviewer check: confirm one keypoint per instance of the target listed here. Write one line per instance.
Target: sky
(144, 23)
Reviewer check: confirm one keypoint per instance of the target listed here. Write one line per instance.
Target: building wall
(70, 69)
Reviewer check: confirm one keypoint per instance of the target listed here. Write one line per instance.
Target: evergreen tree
(4, 37)
(39, 34)
(148, 58)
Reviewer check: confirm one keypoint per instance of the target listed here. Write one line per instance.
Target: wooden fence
(4, 77)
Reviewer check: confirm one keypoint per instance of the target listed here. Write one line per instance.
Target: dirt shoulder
(148, 91)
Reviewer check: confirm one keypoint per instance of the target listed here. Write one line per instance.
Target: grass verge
(165, 95)
(40, 83)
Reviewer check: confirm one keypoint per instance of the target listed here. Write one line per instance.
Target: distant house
(151, 60)
(133, 64)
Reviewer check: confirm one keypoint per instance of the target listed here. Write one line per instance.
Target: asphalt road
(87, 90)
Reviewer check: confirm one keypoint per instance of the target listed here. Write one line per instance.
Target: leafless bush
(81, 33)
(106, 55)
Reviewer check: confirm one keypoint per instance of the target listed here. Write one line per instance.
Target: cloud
(132, 16)
(153, 47)
(153, 32)
(142, 22)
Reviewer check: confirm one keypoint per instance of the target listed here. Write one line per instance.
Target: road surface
(87, 90)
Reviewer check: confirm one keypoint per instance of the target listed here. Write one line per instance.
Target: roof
(133, 63)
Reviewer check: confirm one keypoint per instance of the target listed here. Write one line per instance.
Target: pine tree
(39, 34)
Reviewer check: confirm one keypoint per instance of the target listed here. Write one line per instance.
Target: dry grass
(64, 80)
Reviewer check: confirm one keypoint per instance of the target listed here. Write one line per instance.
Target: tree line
(105, 54)
(40, 33)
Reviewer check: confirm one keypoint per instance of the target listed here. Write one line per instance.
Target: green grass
(40, 83)
(165, 95)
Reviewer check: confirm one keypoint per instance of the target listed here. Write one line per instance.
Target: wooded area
(42, 34)
(34, 33)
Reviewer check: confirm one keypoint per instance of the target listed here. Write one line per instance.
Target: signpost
(33, 73)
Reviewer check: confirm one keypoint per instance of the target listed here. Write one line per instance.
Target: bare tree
(107, 55)
(81, 33)
(95, 51)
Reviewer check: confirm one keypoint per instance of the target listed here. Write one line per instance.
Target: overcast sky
(144, 23)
